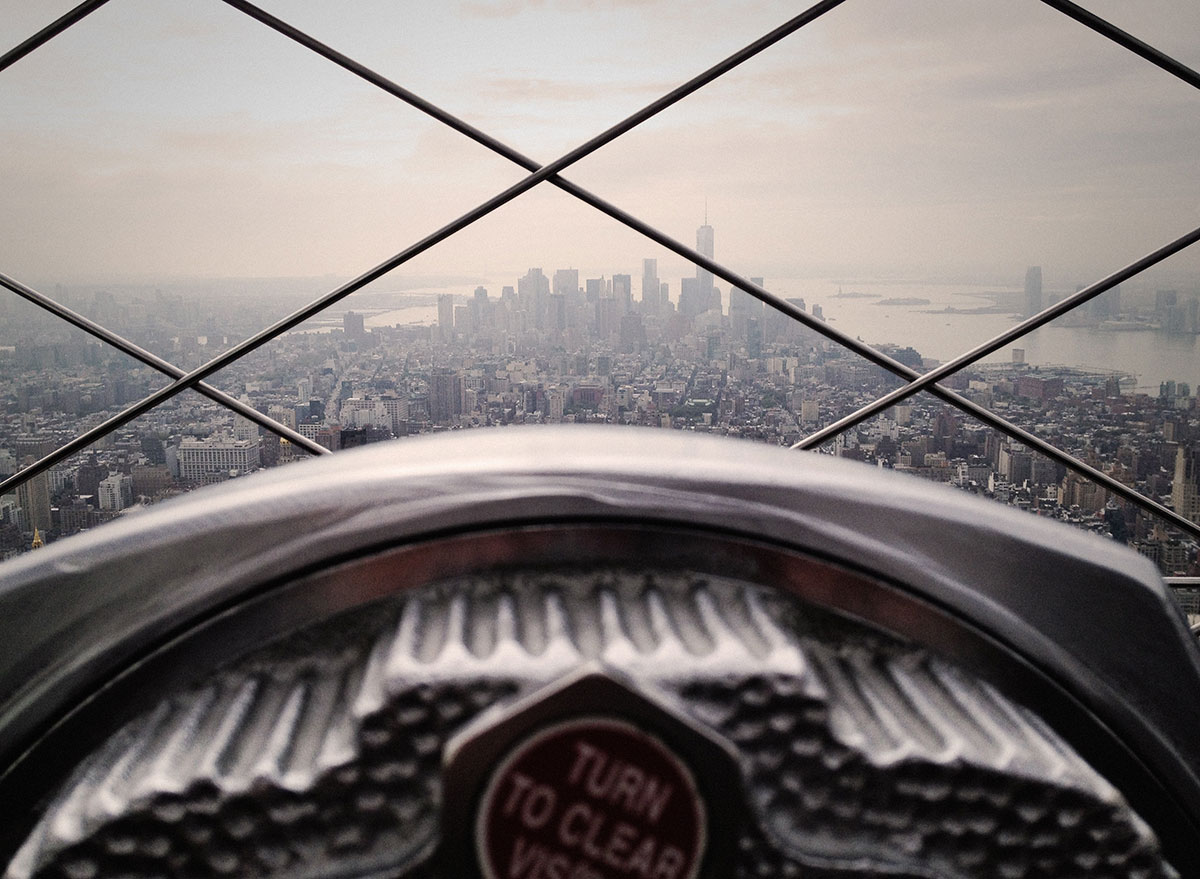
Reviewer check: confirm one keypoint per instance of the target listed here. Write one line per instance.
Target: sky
(939, 139)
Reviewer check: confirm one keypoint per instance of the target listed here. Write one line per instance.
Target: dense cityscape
(559, 348)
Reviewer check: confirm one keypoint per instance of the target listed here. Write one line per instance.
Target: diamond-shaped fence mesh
(931, 382)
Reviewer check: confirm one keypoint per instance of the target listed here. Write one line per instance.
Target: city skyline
(557, 346)
(975, 108)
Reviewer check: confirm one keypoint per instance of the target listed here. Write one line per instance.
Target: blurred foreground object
(564, 653)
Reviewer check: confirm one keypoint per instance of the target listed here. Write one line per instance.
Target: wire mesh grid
(929, 382)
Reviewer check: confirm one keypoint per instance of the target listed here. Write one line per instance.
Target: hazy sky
(916, 138)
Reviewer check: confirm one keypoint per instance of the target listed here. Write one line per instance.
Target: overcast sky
(896, 138)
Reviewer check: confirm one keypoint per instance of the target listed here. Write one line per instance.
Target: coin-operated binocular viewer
(584, 653)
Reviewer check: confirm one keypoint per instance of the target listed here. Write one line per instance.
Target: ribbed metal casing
(321, 754)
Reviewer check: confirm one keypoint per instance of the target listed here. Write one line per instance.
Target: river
(1152, 356)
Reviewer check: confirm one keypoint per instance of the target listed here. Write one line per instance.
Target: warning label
(591, 799)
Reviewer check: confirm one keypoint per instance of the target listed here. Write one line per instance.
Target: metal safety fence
(551, 173)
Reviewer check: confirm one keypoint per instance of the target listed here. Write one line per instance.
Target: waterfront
(1152, 356)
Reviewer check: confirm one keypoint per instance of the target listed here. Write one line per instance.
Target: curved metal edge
(293, 603)
(1092, 615)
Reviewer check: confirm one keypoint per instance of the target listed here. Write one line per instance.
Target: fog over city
(951, 140)
(913, 177)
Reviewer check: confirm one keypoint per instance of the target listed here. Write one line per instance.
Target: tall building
(704, 278)
(533, 296)
(690, 303)
(1033, 290)
(743, 307)
(353, 326)
(33, 496)
(566, 282)
(651, 287)
(89, 474)
(445, 395)
(1185, 489)
(116, 492)
(446, 316)
(622, 286)
(480, 310)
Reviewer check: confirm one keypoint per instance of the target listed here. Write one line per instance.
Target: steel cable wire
(549, 172)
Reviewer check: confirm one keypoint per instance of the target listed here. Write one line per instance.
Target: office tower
(446, 316)
(622, 286)
(704, 278)
(1033, 290)
(445, 395)
(753, 338)
(88, 476)
(566, 282)
(533, 296)
(607, 318)
(1185, 488)
(480, 310)
(116, 492)
(212, 459)
(555, 400)
(690, 303)
(352, 326)
(743, 307)
(651, 288)
(556, 312)
(33, 497)
(462, 322)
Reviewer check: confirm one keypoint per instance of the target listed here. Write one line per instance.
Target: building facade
(215, 458)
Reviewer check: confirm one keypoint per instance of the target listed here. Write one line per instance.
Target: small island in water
(905, 300)
(855, 294)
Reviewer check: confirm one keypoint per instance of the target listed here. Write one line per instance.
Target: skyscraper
(446, 315)
(34, 499)
(566, 282)
(704, 278)
(352, 326)
(622, 286)
(651, 289)
(1185, 488)
(690, 304)
(445, 395)
(1033, 290)
(533, 296)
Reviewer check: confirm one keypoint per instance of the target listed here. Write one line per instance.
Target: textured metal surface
(226, 569)
(321, 755)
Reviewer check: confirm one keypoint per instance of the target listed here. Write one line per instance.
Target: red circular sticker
(591, 799)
